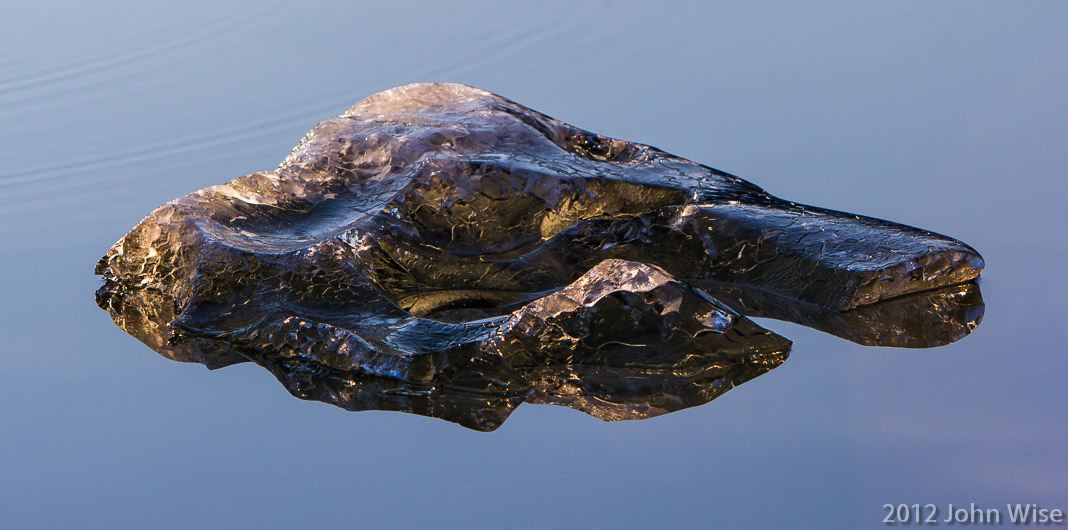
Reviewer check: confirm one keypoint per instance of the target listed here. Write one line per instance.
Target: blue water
(950, 117)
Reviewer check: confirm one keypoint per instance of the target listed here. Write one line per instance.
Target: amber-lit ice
(442, 250)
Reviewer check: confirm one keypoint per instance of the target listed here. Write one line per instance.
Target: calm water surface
(948, 117)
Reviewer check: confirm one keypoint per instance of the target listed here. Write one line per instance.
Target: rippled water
(947, 117)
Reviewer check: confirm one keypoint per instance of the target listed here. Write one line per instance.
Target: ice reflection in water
(466, 396)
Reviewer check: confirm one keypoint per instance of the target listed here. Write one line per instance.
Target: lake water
(949, 117)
